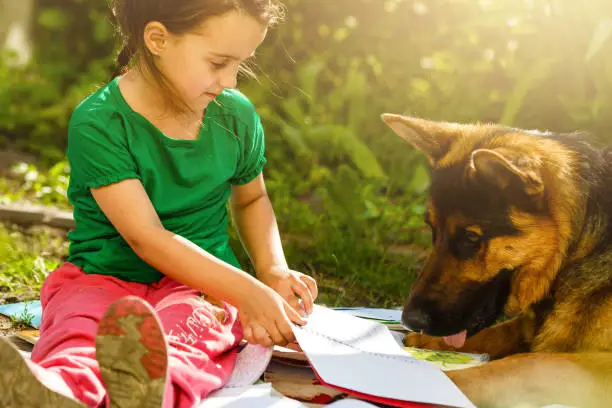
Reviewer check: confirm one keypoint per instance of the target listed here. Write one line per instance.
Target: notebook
(361, 358)
(30, 311)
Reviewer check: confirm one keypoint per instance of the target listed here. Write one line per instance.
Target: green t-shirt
(188, 181)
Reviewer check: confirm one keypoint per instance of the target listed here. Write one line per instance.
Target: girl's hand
(266, 317)
(291, 284)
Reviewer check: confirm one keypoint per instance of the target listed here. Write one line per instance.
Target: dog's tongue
(456, 340)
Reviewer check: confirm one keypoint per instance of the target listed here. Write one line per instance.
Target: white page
(363, 356)
(365, 335)
(394, 315)
(350, 403)
(254, 396)
(251, 363)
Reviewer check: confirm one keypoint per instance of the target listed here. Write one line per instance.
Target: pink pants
(202, 338)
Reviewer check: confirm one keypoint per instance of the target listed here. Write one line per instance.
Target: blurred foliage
(336, 174)
(27, 258)
(28, 183)
(73, 56)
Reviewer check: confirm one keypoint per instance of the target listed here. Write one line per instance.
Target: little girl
(150, 306)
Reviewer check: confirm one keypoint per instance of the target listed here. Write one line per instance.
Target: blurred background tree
(349, 195)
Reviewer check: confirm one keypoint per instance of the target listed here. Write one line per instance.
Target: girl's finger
(303, 292)
(293, 315)
(312, 285)
(286, 332)
(247, 334)
(295, 304)
(262, 336)
(279, 337)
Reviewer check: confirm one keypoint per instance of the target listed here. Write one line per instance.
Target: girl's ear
(156, 37)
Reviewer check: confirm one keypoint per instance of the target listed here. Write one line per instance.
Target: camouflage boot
(19, 388)
(132, 352)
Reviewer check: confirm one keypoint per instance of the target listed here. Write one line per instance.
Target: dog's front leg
(539, 379)
(510, 337)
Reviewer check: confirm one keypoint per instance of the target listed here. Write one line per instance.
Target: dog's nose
(415, 319)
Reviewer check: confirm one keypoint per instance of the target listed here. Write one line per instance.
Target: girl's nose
(229, 81)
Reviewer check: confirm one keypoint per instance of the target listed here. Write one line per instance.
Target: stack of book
(345, 357)
(293, 372)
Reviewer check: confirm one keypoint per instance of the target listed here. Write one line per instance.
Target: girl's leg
(202, 337)
(73, 304)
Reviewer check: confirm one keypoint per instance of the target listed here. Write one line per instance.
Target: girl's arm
(131, 212)
(258, 230)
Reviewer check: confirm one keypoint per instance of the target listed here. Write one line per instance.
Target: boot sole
(20, 388)
(132, 352)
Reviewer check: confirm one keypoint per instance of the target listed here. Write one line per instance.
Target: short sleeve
(252, 158)
(98, 156)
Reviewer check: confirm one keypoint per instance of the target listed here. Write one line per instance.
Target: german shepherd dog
(522, 230)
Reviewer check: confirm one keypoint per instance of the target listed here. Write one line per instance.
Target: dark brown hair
(179, 17)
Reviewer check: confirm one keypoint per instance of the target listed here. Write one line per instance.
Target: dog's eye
(466, 244)
(472, 237)
(469, 240)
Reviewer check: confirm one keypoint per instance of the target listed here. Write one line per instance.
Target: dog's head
(503, 204)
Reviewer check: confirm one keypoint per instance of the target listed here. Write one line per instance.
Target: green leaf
(54, 19)
(346, 142)
(534, 73)
(308, 76)
(57, 169)
(103, 30)
(420, 179)
(600, 36)
(345, 193)
(294, 139)
(294, 110)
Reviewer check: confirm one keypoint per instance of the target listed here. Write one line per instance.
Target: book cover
(29, 335)
(300, 383)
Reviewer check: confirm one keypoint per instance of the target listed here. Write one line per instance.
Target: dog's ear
(496, 167)
(430, 137)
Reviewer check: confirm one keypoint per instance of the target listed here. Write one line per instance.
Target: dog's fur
(522, 226)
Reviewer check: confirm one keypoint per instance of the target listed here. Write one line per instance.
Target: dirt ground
(7, 330)
(6, 327)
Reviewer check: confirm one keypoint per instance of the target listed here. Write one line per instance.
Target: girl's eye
(218, 65)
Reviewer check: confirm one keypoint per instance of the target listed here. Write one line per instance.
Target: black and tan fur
(522, 226)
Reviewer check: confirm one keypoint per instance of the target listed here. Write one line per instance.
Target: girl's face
(204, 62)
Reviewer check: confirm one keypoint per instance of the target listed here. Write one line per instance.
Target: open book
(362, 358)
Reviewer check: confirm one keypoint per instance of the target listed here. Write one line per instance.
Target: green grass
(26, 182)
(22, 320)
(347, 256)
(28, 256)
(351, 276)
(344, 279)
(356, 276)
